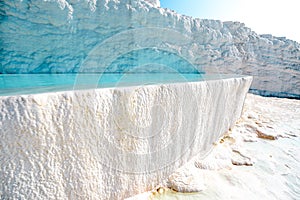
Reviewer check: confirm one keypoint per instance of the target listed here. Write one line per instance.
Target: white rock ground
(258, 159)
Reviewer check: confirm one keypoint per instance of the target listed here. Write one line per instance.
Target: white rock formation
(110, 143)
(243, 164)
(155, 3)
(63, 36)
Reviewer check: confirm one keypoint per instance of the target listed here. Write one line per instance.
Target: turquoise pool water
(17, 84)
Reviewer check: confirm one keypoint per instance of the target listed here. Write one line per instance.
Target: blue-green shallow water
(18, 84)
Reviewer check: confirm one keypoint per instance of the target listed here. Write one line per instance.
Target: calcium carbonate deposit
(110, 143)
(257, 159)
(58, 36)
(118, 142)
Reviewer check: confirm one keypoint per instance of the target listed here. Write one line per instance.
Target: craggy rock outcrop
(99, 36)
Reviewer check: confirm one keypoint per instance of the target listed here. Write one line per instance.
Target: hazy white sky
(276, 17)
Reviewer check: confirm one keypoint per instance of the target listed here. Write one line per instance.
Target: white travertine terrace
(110, 143)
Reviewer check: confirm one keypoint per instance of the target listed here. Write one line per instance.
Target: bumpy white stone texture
(110, 143)
(155, 3)
(58, 36)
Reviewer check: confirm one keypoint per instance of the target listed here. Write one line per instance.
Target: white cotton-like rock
(41, 37)
(155, 3)
(186, 181)
(111, 143)
(273, 175)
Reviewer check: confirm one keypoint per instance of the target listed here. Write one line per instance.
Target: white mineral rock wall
(110, 143)
(112, 36)
(155, 3)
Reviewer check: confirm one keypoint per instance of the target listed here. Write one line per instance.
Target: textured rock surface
(70, 36)
(242, 165)
(155, 3)
(110, 143)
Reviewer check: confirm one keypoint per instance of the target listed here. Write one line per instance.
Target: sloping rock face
(115, 36)
(110, 143)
